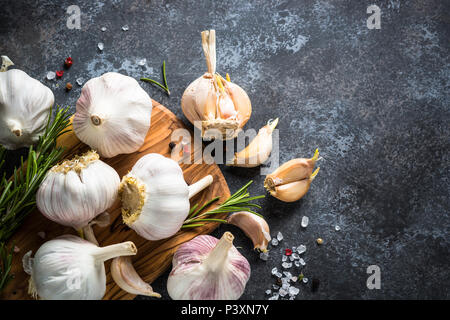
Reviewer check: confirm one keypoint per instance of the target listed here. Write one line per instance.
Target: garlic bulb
(258, 150)
(126, 277)
(155, 197)
(77, 190)
(70, 268)
(206, 268)
(112, 114)
(25, 105)
(255, 227)
(291, 181)
(211, 102)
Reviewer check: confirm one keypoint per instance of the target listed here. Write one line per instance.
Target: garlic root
(255, 227)
(258, 150)
(126, 277)
(291, 181)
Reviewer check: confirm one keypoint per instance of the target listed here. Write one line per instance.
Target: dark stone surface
(375, 103)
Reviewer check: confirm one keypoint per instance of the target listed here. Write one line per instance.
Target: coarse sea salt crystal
(337, 228)
(125, 28)
(264, 256)
(274, 271)
(279, 236)
(295, 256)
(293, 291)
(274, 297)
(286, 265)
(301, 249)
(103, 29)
(268, 291)
(79, 81)
(305, 280)
(51, 75)
(305, 221)
(302, 262)
(274, 242)
(287, 274)
(285, 286)
(100, 46)
(142, 62)
(294, 279)
(278, 275)
(284, 258)
(275, 287)
(291, 258)
(282, 292)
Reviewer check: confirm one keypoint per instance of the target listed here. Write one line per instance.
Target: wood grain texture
(153, 257)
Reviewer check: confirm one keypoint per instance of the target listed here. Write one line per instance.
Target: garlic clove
(293, 170)
(255, 227)
(6, 63)
(206, 268)
(126, 277)
(293, 191)
(113, 114)
(259, 149)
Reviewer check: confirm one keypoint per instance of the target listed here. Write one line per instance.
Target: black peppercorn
(172, 145)
(279, 282)
(315, 285)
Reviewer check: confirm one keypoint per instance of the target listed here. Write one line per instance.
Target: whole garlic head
(25, 106)
(206, 268)
(155, 197)
(215, 105)
(77, 190)
(112, 114)
(70, 268)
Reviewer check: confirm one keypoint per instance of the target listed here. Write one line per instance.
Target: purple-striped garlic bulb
(113, 114)
(206, 268)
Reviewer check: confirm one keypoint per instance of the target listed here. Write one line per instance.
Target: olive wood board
(153, 257)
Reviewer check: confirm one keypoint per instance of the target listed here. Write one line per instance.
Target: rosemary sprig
(239, 201)
(17, 194)
(165, 87)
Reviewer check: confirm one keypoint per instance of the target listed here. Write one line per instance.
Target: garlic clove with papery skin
(76, 191)
(214, 104)
(112, 114)
(258, 150)
(25, 105)
(254, 226)
(206, 268)
(70, 268)
(155, 196)
(126, 277)
(291, 181)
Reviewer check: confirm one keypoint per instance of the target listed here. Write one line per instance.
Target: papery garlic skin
(206, 268)
(254, 227)
(70, 268)
(77, 190)
(113, 114)
(25, 105)
(218, 107)
(155, 197)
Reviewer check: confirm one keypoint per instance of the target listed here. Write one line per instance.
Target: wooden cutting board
(153, 257)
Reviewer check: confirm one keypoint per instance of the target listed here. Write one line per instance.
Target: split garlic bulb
(70, 268)
(212, 102)
(25, 105)
(112, 114)
(206, 268)
(77, 190)
(155, 197)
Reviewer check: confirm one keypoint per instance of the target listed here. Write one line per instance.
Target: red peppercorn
(68, 62)
(59, 73)
(288, 252)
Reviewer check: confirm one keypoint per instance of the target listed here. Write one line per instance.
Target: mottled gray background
(375, 103)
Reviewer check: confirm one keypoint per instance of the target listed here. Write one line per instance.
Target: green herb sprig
(17, 194)
(165, 87)
(239, 201)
